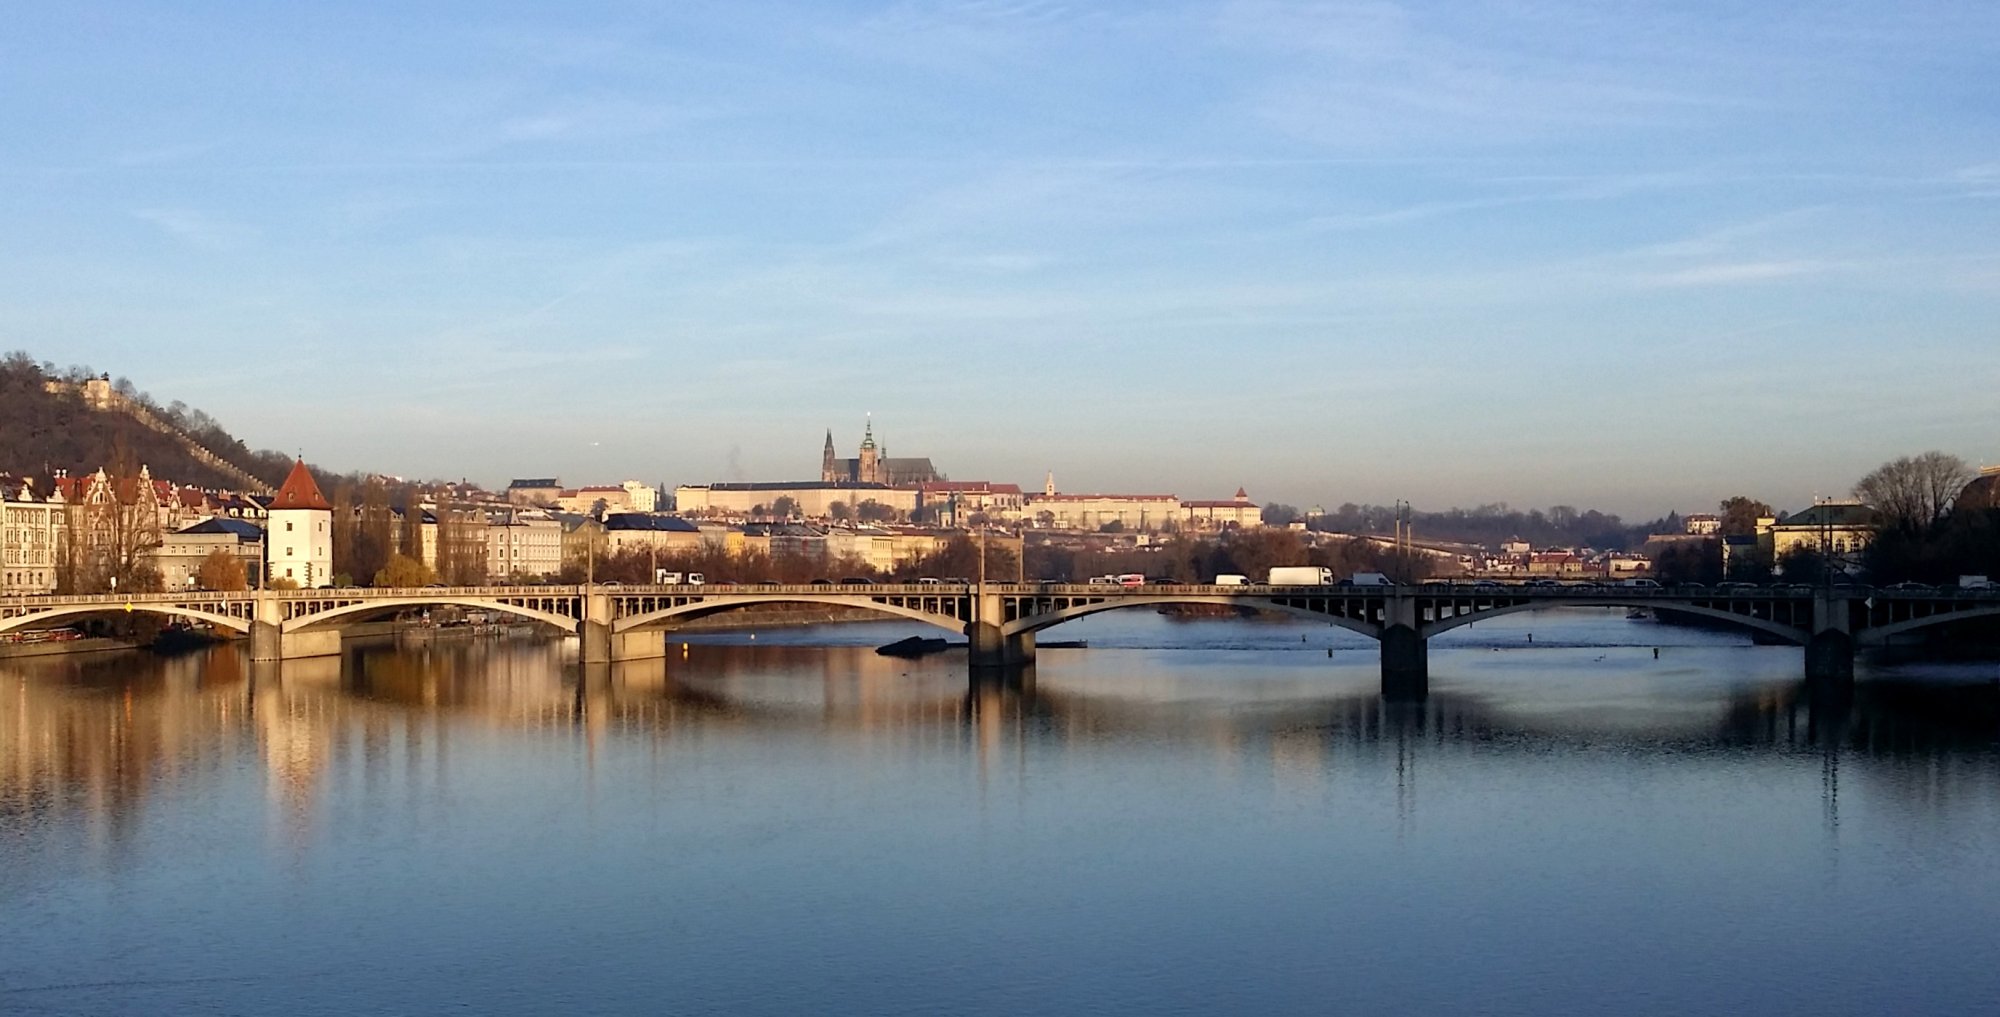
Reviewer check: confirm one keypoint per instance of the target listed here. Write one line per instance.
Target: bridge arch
(378, 605)
(1790, 633)
(1878, 635)
(720, 604)
(1038, 622)
(60, 611)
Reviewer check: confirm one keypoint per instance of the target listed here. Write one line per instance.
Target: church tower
(827, 462)
(871, 457)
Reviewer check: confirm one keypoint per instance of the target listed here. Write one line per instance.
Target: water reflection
(97, 735)
(806, 828)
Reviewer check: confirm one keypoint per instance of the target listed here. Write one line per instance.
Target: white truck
(1302, 575)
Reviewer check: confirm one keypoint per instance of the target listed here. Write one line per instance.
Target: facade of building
(1144, 512)
(1235, 513)
(31, 537)
(872, 465)
(1844, 528)
(180, 557)
(813, 501)
(524, 542)
(299, 535)
(1701, 524)
(626, 531)
(953, 501)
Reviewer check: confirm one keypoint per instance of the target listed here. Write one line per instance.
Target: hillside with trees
(43, 431)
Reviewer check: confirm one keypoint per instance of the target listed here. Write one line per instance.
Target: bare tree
(1914, 492)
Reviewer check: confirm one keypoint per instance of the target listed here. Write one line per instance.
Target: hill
(72, 419)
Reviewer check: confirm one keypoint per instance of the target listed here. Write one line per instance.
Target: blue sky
(1632, 256)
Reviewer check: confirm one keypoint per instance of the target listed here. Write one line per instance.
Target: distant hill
(72, 419)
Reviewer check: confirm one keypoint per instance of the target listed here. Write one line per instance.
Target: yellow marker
(128, 608)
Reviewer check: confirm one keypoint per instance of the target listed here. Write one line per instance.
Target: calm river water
(1187, 817)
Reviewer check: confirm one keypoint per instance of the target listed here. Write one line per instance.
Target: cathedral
(872, 466)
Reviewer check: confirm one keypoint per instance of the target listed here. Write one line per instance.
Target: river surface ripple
(1210, 816)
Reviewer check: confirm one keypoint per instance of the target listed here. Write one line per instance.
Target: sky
(1631, 256)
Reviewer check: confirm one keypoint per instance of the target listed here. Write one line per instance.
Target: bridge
(1000, 621)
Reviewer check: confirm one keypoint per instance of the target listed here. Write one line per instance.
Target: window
(288, 527)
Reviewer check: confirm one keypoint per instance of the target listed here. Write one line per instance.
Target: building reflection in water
(87, 739)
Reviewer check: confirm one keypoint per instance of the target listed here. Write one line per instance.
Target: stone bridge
(1000, 621)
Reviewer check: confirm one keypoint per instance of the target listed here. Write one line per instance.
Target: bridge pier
(1020, 648)
(594, 629)
(267, 636)
(1830, 658)
(1406, 663)
(266, 642)
(1830, 650)
(987, 647)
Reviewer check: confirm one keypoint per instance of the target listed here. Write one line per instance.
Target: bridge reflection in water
(98, 735)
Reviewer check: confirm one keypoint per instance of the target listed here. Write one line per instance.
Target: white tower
(298, 539)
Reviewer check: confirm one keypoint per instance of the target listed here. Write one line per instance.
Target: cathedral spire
(868, 433)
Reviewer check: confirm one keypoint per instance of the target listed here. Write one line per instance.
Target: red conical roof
(299, 491)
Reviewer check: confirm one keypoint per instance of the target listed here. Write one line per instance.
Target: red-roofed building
(954, 499)
(298, 545)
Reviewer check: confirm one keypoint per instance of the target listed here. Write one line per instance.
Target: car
(1736, 586)
(856, 581)
(1486, 584)
(929, 581)
(1911, 587)
(1163, 581)
(821, 582)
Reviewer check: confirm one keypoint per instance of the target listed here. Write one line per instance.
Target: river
(1187, 817)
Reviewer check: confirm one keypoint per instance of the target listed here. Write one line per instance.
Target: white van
(1232, 579)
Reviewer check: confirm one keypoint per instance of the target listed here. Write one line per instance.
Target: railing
(1003, 589)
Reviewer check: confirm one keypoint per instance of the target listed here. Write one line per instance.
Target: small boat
(1637, 614)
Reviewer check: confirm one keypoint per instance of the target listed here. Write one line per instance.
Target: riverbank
(88, 644)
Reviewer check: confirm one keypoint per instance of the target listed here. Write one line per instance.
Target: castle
(872, 466)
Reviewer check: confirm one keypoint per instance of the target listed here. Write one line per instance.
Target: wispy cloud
(1734, 273)
(199, 229)
(1370, 75)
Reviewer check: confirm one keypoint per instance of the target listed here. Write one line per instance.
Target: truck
(1975, 583)
(1302, 575)
(1370, 579)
